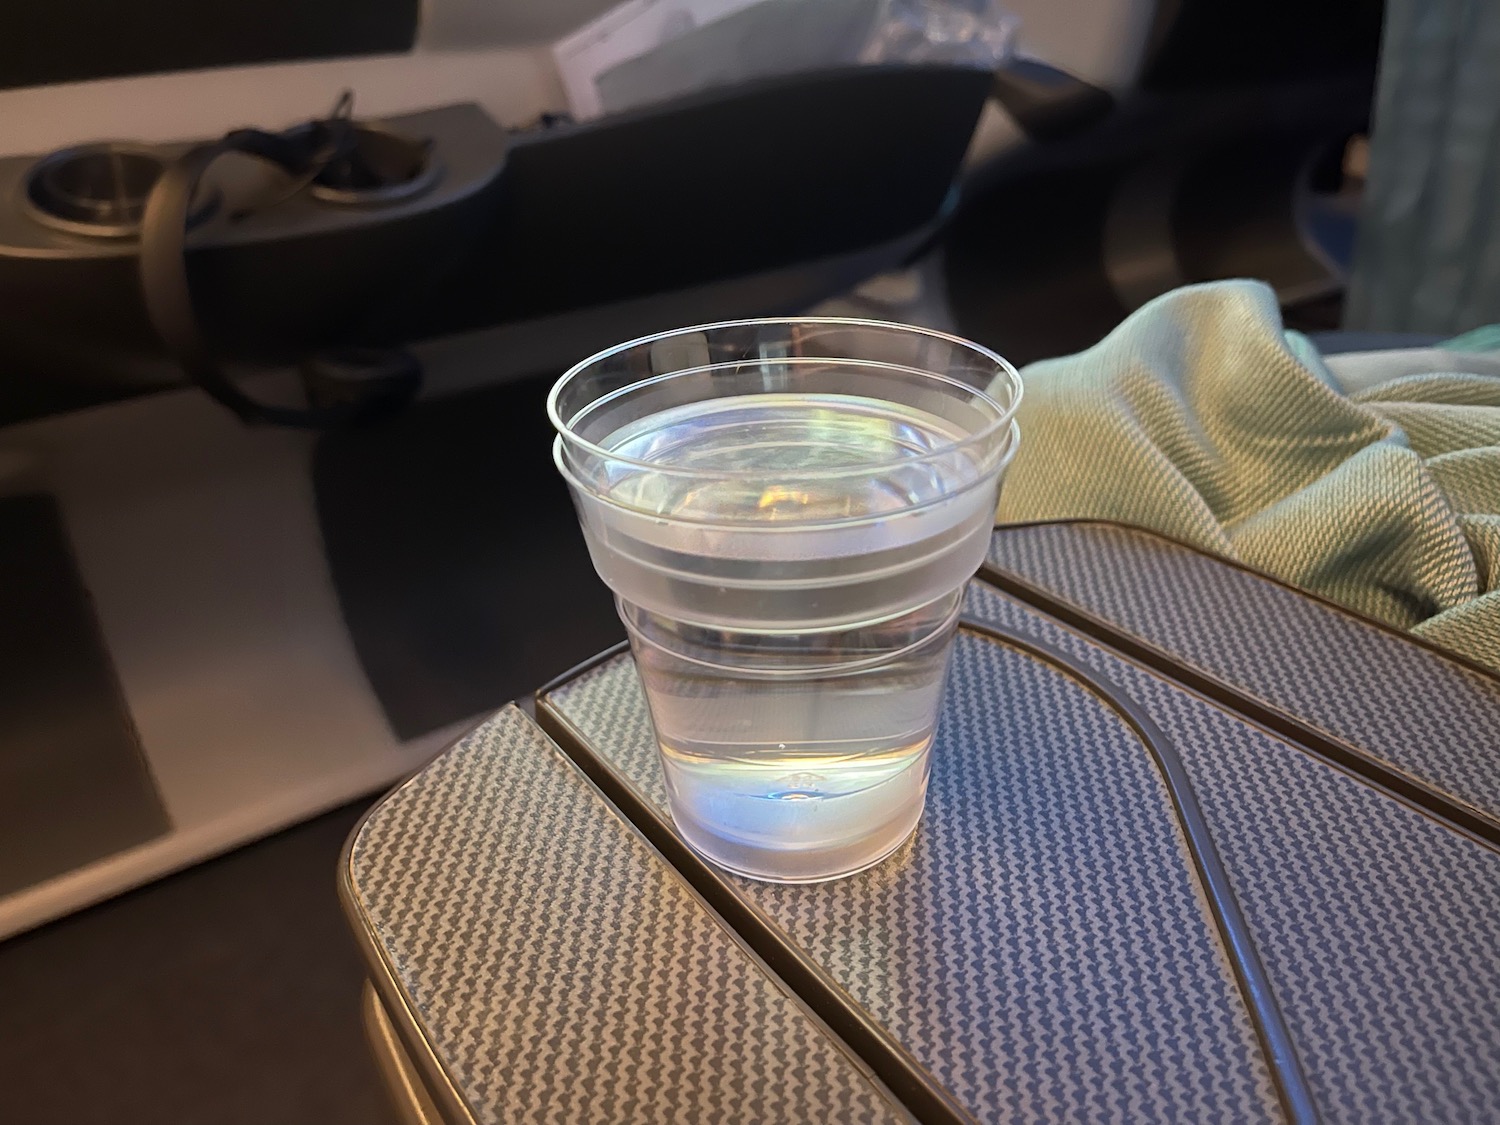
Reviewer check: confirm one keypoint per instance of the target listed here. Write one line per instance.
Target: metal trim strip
(413, 1103)
(1357, 761)
(897, 1068)
(450, 1103)
(1254, 982)
(400, 1009)
(1271, 580)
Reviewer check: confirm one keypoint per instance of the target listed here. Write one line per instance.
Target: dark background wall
(46, 41)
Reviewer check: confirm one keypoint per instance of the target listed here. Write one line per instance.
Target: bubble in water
(797, 787)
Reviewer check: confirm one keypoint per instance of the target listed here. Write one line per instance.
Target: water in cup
(780, 745)
(795, 754)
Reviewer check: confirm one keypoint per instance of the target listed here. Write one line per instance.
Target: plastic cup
(787, 512)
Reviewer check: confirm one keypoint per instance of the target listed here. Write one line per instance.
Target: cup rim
(595, 497)
(1005, 414)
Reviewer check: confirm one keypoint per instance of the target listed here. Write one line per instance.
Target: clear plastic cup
(787, 512)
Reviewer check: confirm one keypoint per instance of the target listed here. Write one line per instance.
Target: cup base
(803, 865)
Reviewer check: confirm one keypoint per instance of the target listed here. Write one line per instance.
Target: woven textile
(1371, 478)
(1040, 947)
(562, 973)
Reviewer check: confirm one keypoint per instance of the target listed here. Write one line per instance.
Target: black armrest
(1046, 102)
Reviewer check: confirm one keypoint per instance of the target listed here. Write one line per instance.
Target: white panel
(197, 540)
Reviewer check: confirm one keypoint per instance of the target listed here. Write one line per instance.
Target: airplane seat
(1221, 154)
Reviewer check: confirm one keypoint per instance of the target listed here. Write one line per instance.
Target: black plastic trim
(1046, 102)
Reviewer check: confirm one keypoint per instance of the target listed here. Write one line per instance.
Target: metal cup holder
(384, 167)
(99, 190)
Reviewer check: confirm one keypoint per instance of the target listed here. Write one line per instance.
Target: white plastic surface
(197, 540)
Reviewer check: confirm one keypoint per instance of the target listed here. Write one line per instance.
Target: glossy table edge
(1475, 822)
(842, 1012)
(407, 1091)
(386, 989)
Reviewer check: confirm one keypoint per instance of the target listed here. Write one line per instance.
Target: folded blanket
(1370, 478)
